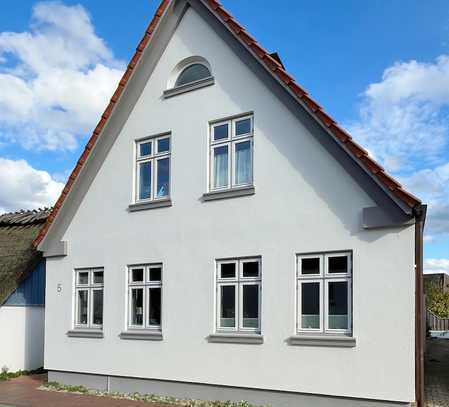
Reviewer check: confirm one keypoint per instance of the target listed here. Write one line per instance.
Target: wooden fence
(436, 323)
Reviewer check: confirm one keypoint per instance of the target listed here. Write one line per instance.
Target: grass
(149, 398)
(5, 375)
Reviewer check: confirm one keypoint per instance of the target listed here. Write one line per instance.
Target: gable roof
(18, 256)
(272, 62)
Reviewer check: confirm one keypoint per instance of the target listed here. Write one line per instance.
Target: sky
(380, 68)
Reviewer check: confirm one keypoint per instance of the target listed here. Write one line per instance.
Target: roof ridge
(339, 134)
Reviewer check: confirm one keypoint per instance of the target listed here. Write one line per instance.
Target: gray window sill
(85, 333)
(188, 87)
(142, 206)
(142, 335)
(329, 341)
(254, 339)
(229, 193)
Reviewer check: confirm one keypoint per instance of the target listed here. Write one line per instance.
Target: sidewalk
(23, 392)
(437, 372)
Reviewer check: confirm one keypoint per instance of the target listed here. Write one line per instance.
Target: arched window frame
(173, 90)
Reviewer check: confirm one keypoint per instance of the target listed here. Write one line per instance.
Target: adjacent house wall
(22, 319)
(304, 202)
(22, 338)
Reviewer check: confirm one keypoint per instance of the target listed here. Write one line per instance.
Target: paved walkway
(23, 392)
(437, 373)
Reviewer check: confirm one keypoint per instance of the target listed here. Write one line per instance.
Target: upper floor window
(145, 296)
(193, 73)
(231, 153)
(153, 168)
(324, 290)
(239, 295)
(89, 298)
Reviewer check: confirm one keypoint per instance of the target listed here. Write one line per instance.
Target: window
(239, 295)
(192, 73)
(231, 153)
(153, 169)
(89, 298)
(145, 296)
(324, 288)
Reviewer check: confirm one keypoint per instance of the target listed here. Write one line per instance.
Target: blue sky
(380, 68)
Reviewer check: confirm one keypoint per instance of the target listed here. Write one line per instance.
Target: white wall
(21, 337)
(304, 202)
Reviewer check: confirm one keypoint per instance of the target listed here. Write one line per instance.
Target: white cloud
(56, 79)
(404, 121)
(436, 266)
(403, 118)
(24, 187)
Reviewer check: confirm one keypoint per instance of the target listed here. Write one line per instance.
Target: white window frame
(230, 142)
(145, 285)
(90, 287)
(324, 278)
(238, 281)
(152, 158)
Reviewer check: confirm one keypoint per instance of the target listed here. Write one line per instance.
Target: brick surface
(437, 373)
(24, 392)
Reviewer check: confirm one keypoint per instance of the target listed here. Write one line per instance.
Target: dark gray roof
(25, 217)
(18, 257)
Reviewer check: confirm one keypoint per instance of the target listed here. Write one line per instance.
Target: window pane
(137, 306)
(137, 274)
(310, 266)
(243, 165)
(310, 305)
(145, 149)
(338, 304)
(98, 307)
(163, 177)
(83, 277)
(82, 308)
(163, 145)
(220, 132)
(155, 306)
(227, 270)
(220, 167)
(145, 180)
(250, 306)
(155, 274)
(98, 277)
(192, 73)
(251, 269)
(243, 127)
(338, 264)
(227, 307)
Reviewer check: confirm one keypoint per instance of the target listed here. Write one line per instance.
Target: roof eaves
(338, 133)
(104, 119)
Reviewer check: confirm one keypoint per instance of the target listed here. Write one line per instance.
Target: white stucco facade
(22, 337)
(304, 202)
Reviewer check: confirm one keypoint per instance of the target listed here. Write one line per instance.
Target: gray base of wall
(185, 390)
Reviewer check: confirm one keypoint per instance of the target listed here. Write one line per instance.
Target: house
(221, 237)
(22, 291)
(440, 279)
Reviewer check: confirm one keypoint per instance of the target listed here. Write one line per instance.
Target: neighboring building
(22, 291)
(222, 238)
(441, 279)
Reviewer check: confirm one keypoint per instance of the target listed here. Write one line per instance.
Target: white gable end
(304, 202)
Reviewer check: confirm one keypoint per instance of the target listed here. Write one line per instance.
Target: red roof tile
(276, 68)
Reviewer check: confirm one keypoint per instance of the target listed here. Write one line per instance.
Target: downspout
(420, 324)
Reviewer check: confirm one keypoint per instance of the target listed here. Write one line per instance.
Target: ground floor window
(89, 298)
(145, 296)
(324, 293)
(239, 294)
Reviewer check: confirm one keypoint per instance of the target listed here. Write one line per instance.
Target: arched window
(192, 73)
